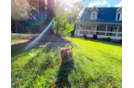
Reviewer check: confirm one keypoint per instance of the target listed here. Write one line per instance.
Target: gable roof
(118, 9)
(93, 8)
(105, 15)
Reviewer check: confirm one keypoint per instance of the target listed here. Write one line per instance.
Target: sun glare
(70, 2)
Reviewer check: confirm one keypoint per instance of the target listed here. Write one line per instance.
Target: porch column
(76, 31)
(117, 30)
(106, 29)
(96, 29)
(85, 28)
(76, 26)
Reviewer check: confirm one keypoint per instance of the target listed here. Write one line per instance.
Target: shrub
(85, 36)
(94, 36)
(121, 40)
(62, 27)
(108, 39)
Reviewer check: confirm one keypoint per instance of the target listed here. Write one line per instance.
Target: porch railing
(91, 32)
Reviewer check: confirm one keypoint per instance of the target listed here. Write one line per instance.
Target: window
(101, 27)
(119, 35)
(91, 27)
(112, 28)
(82, 27)
(88, 27)
(120, 28)
(93, 15)
(119, 17)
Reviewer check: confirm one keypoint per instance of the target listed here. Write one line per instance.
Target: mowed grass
(94, 65)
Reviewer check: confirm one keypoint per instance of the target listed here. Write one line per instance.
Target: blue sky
(101, 3)
(97, 3)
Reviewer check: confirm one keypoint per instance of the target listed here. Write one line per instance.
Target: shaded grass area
(14, 37)
(18, 43)
(94, 65)
(104, 42)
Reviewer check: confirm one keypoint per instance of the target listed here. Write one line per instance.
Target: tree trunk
(31, 29)
(16, 28)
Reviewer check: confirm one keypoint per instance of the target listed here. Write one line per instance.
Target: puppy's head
(63, 51)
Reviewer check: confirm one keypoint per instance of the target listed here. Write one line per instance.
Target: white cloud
(118, 5)
(99, 4)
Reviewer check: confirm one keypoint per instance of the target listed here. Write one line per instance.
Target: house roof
(105, 15)
(118, 9)
(93, 8)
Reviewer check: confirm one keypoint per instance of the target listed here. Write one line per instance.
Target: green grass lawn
(94, 65)
(15, 43)
(18, 42)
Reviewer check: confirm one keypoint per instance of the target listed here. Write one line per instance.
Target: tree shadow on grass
(41, 68)
(90, 59)
(17, 48)
(53, 46)
(86, 79)
(89, 80)
(111, 57)
(48, 63)
(104, 42)
(64, 71)
(26, 70)
(32, 70)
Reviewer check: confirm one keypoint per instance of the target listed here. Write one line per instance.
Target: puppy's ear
(59, 48)
(72, 47)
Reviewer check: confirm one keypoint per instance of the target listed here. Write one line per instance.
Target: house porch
(103, 30)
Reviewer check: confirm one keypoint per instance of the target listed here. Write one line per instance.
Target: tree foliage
(25, 16)
(61, 26)
(66, 11)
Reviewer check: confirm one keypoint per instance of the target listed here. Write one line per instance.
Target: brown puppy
(66, 53)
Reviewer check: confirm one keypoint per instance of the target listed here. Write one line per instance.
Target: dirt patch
(31, 37)
(22, 40)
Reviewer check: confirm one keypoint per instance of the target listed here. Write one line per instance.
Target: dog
(66, 53)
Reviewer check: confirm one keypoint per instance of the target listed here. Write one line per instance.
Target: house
(105, 22)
